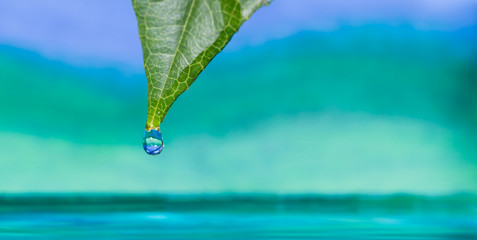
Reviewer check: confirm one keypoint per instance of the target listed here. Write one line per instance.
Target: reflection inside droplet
(153, 142)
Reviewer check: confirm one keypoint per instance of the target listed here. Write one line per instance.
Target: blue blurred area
(317, 97)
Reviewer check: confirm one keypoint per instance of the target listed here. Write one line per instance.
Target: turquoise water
(170, 225)
(243, 217)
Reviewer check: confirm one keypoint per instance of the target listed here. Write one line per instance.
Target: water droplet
(153, 142)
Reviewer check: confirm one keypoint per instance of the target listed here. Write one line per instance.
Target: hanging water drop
(153, 142)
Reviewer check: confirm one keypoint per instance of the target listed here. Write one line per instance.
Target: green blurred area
(226, 203)
(374, 108)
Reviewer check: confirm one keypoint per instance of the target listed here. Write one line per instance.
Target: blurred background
(311, 96)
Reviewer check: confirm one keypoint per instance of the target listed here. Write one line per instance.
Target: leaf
(179, 38)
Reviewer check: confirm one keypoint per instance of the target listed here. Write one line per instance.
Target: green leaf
(179, 38)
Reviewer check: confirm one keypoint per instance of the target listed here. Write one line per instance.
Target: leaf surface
(179, 38)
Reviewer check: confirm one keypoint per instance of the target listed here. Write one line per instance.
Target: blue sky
(104, 33)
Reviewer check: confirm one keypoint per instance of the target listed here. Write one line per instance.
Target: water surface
(238, 217)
